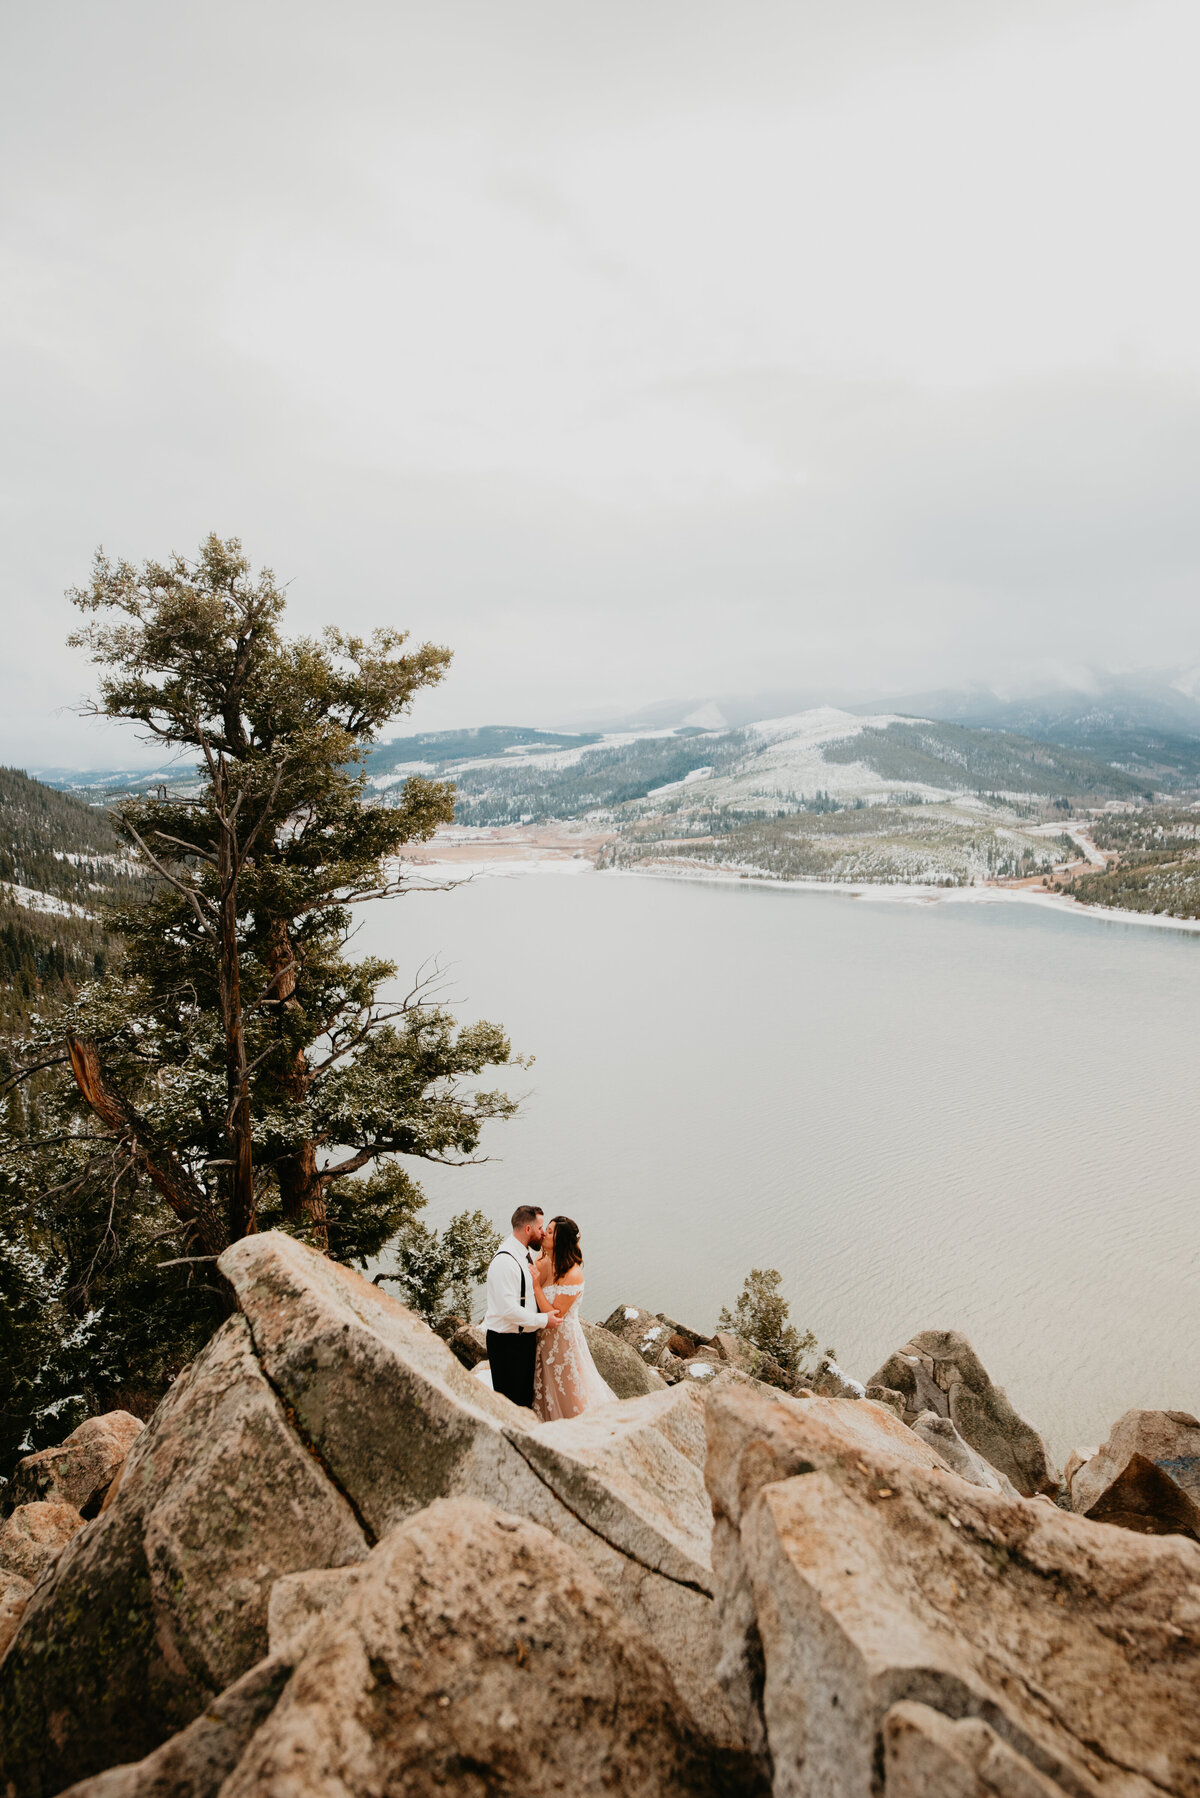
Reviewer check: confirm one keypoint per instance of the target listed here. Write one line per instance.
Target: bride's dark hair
(567, 1252)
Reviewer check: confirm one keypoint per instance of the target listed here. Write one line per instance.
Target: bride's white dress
(565, 1379)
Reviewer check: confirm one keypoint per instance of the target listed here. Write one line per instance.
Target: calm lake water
(979, 1117)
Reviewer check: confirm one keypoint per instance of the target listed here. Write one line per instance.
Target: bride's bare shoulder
(573, 1276)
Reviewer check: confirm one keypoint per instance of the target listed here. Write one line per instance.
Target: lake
(971, 1116)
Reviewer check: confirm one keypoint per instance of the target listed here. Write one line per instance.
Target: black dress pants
(512, 1359)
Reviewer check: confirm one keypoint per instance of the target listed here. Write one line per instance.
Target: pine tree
(761, 1317)
(237, 1070)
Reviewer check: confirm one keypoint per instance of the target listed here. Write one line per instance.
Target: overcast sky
(633, 348)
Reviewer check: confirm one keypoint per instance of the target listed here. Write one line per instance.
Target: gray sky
(635, 348)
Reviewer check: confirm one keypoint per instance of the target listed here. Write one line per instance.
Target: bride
(565, 1380)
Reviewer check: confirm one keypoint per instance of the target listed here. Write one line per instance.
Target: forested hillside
(513, 776)
(59, 859)
(985, 761)
(1155, 865)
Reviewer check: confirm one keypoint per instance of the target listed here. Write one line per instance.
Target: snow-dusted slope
(784, 758)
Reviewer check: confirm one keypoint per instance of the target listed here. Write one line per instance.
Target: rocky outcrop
(939, 1371)
(675, 1353)
(158, 1604)
(471, 1652)
(633, 1475)
(619, 1365)
(776, 1442)
(1146, 1477)
(398, 1423)
(81, 1469)
(688, 1339)
(858, 1575)
(393, 1415)
(475, 1652)
(34, 1536)
(335, 1563)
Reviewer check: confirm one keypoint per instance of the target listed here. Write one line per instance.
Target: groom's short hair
(525, 1214)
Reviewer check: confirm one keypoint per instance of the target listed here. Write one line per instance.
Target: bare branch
(36, 1067)
(179, 885)
(265, 813)
(207, 855)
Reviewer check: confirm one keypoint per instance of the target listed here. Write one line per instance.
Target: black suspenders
(522, 1265)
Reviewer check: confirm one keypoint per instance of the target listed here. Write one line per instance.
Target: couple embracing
(537, 1351)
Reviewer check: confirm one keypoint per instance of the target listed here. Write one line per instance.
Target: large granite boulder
(734, 1474)
(35, 1535)
(398, 1423)
(646, 1333)
(856, 1573)
(620, 1365)
(158, 1604)
(634, 1474)
(83, 1466)
(939, 1371)
(476, 1653)
(1146, 1477)
(468, 1344)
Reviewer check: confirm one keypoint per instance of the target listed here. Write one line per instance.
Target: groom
(513, 1318)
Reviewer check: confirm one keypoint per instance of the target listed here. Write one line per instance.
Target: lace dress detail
(565, 1379)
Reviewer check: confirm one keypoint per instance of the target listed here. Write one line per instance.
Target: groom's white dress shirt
(505, 1312)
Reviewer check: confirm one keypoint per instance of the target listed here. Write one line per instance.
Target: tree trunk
(300, 1187)
(237, 1077)
(187, 1199)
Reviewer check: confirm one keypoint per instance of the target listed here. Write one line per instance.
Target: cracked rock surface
(857, 1572)
(398, 1423)
(160, 1602)
(939, 1371)
(476, 1653)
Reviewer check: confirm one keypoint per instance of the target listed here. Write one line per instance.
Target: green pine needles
(761, 1317)
(234, 1069)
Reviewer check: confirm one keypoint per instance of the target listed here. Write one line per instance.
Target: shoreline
(905, 893)
(530, 859)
